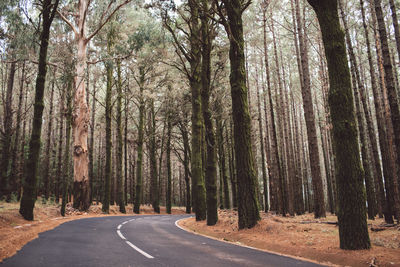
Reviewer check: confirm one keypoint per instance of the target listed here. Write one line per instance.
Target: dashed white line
(129, 243)
(139, 250)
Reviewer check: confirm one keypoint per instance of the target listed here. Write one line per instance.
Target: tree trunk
(120, 181)
(91, 142)
(186, 152)
(16, 155)
(393, 104)
(46, 167)
(380, 123)
(275, 174)
(260, 127)
(369, 182)
(211, 155)
(199, 194)
(108, 113)
(155, 198)
(66, 169)
(169, 172)
(7, 134)
(29, 189)
(246, 175)
(139, 160)
(319, 202)
(353, 230)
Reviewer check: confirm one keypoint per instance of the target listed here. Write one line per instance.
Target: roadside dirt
(304, 237)
(15, 232)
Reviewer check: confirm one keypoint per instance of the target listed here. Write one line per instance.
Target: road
(136, 241)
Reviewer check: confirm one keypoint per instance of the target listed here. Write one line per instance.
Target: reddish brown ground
(15, 232)
(305, 237)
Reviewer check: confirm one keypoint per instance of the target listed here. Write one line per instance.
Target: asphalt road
(136, 241)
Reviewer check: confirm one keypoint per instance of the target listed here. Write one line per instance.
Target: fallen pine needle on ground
(305, 237)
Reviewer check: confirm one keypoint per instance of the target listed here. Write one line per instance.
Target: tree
(120, 183)
(353, 230)
(81, 109)
(29, 187)
(207, 36)
(246, 175)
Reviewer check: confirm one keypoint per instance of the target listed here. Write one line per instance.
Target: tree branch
(68, 23)
(106, 20)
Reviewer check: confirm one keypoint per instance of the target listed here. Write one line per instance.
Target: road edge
(249, 247)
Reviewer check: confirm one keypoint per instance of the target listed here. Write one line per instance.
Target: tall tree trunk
(155, 197)
(211, 155)
(108, 113)
(60, 147)
(16, 155)
(232, 169)
(319, 202)
(29, 189)
(393, 113)
(260, 127)
(380, 122)
(222, 158)
(358, 88)
(7, 134)
(126, 144)
(246, 175)
(66, 158)
(46, 167)
(169, 172)
(389, 79)
(199, 194)
(353, 229)
(91, 142)
(139, 160)
(186, 160)
(120, 181)
(276, 174)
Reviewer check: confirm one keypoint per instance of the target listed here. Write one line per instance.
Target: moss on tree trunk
(353, 230)
(246, 174)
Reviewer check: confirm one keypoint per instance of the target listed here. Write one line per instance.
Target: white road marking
(120, 235)
(139, 250)
(129, 243)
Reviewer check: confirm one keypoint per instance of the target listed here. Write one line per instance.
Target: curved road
(136, 241)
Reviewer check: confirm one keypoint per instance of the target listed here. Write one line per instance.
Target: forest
(281, 107)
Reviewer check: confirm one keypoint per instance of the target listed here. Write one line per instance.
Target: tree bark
(211, 155)
(353, 230)
(246, 176)
(319, 201)
(139, 160)
(7, 135)
(46, 167)
(29, 188)
(120, 181)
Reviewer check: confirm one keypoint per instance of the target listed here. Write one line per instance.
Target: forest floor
(15, 232)
(304, 237)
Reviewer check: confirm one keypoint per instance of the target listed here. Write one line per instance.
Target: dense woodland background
(161, 127)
